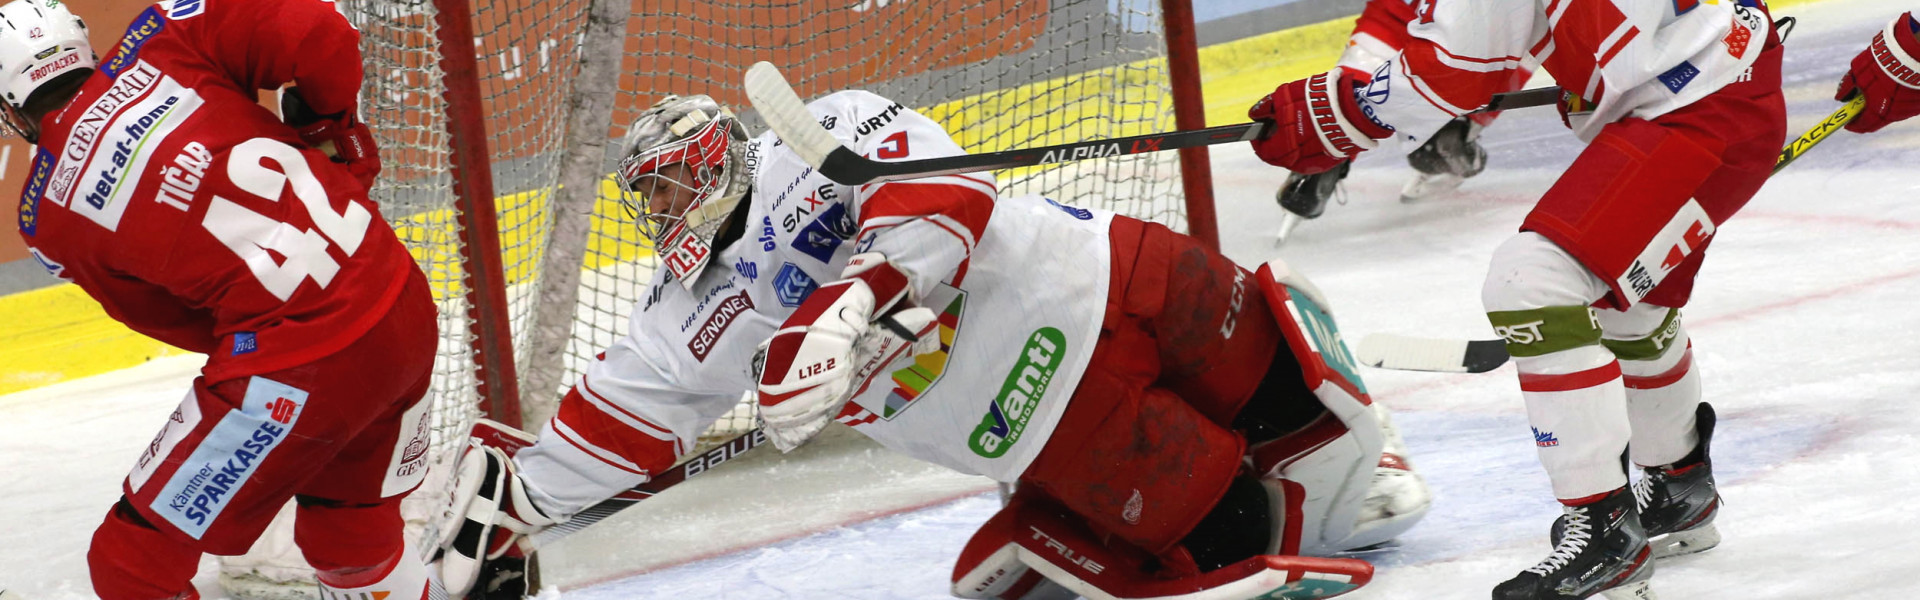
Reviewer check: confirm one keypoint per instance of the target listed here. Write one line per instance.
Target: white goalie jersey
(1020, 285)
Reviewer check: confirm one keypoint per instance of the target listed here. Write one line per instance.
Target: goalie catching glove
(830, 348)
(1317, 123)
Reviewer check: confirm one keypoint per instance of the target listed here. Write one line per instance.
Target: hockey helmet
(39, 41)
(683, 175)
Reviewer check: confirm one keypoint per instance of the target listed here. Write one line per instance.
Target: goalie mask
(682, 178)
(39, 41)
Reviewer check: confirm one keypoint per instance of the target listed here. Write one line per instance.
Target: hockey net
(998, 74)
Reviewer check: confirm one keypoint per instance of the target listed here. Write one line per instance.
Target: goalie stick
(1407, 353)
(788, 117)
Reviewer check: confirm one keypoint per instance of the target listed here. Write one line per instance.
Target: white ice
(1804, 328)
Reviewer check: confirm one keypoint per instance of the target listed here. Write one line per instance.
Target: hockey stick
(1406, 353)
(787, 115)
(688, 469)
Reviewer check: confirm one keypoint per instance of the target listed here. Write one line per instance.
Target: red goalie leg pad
(129, 559)
(1050, 541)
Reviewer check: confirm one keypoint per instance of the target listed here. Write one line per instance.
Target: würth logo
(723, 317)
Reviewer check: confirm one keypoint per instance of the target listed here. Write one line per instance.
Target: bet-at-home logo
(1026, 384)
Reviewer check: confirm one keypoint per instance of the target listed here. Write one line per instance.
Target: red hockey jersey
(191, 213)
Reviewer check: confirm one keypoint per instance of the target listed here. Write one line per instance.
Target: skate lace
(1573, 539)
(1643, 492)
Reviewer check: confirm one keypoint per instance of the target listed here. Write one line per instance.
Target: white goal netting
(999, 74)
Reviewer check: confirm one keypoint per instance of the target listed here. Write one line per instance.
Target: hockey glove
(1888, 74)
(1317, 123)
(829, 349)
(340, 135)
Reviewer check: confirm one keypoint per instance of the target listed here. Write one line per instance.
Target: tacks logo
(793, 285)
(724, 315)
(1025, 386)
(229, 456)
(1544, 439)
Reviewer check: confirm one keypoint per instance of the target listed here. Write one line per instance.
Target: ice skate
(1305, 197)
(1448, 158)
(1679, 501)
(1600, 548)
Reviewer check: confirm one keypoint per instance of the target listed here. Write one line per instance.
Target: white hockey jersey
(1639, 58)
(1020, 285)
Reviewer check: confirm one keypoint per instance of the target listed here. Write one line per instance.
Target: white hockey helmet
(683, 175)
(39, 41)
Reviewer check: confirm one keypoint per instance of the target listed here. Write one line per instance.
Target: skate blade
(1639, 590)
(1426, 186)
(1288, 221)
(1682, 543)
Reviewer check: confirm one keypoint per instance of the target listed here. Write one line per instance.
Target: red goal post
(499, 120)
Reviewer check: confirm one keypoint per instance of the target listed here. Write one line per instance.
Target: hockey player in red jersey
(1888, 74)
(191, 214)
(1177, 424)
(1681, 105)
(1447, 157)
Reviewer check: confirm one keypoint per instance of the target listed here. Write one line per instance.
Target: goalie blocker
(1338, 482)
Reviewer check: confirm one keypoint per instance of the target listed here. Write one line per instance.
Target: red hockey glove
(1888, 74)
(341, 136)
(1317, 123)
(825, 352)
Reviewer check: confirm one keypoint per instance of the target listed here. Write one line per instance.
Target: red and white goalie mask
(682, 178)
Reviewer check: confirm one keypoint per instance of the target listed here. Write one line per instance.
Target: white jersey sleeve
(1640, 58)
(927, 227)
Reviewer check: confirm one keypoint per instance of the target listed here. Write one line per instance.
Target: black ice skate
(1449, 157)
(1678, 501)
(1599, 548)
(1305, 196)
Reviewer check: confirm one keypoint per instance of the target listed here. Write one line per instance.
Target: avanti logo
(1026, 384)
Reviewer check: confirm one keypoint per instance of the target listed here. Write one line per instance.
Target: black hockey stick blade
(1540, 96)
(1408, 353)
(687, 469)
(787, 115)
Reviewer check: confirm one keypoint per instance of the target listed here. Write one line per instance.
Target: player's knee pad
(1529, 271)
(1035, 549)
(402, 577)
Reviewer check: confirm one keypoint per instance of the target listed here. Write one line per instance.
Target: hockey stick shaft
(1404, 353)
(687, 469)
(787, 115)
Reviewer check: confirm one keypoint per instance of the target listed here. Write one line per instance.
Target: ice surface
(1804, 328)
